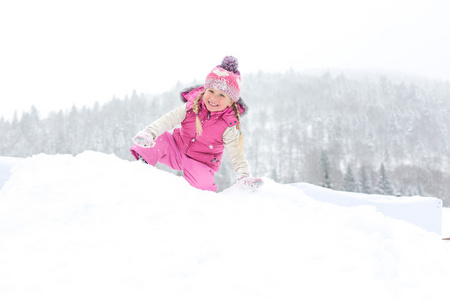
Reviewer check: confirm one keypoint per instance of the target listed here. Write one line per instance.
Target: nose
(215, 98)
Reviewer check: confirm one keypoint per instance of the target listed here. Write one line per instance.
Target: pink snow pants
(166, 152)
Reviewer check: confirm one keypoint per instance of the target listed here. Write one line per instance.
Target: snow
(94, 226)
(6, 163)
(425, 212)
(446, 222)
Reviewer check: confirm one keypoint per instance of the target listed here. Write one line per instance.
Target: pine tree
(365, 181)
(384, 185)
(326, 166)
(350, 184)
(420, 190)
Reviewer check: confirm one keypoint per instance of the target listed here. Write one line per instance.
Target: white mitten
(252, 182)
(144, 139)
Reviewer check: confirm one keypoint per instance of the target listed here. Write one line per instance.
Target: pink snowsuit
(199, 157)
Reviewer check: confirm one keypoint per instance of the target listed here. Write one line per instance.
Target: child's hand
(252, 182)
(144, 139)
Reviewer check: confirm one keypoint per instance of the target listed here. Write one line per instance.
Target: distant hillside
(356, 131)
(349, 129)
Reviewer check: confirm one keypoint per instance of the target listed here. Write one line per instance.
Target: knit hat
(226, 78)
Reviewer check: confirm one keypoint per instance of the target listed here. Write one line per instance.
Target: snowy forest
(353, 131)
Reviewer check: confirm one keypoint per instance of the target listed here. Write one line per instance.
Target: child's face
(216, 100)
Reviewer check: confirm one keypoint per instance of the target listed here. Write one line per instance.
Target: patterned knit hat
(226, 78)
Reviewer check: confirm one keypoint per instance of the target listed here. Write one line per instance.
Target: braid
(238, 126)
(195, 106)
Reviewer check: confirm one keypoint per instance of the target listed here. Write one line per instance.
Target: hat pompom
(230, 63)
(226, 78)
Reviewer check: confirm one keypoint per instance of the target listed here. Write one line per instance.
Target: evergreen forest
(363, 132)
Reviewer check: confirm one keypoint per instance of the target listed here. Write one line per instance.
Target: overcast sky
(54, 54)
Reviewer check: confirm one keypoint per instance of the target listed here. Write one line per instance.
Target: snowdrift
(98, 227)
(6, 163)
(425, 212)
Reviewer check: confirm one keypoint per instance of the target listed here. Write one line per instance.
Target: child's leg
(165, 151)
(198, 174)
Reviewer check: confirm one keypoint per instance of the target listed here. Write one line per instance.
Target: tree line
(369, 133)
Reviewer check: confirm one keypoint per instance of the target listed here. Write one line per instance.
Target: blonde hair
(238, 126)
(198, 123)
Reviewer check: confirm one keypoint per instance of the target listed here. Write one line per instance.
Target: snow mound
(98, 227)
(425, 212)
(6, 163)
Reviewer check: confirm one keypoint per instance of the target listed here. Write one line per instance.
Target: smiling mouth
(213, 105)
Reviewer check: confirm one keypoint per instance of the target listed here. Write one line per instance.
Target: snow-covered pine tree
(326, 167)
(350, 184)
(365, 182)
(384, 185)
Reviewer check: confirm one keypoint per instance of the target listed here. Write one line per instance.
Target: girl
(210, 123)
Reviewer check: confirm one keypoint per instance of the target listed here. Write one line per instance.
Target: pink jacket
(207, 148)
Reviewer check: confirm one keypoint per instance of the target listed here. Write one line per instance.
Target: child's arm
(167, 122)
(235, 153)
(146, 137)
(238, 160)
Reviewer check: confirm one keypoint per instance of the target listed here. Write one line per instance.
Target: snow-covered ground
(446, 222)
(98, 227)
(425, 212)
(6, 163)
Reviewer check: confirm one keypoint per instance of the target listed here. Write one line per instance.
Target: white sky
(54, 54)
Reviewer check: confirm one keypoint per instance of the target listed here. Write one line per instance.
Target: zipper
(189, 146)
(191, 143)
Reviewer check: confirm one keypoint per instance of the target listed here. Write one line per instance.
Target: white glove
(144, 139)
(248, 181)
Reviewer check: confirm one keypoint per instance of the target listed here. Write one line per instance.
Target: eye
(222, 95)
(211, 91)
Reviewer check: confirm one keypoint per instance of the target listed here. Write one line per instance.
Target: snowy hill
(98, 227)
(425, 212)
(6, 163)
